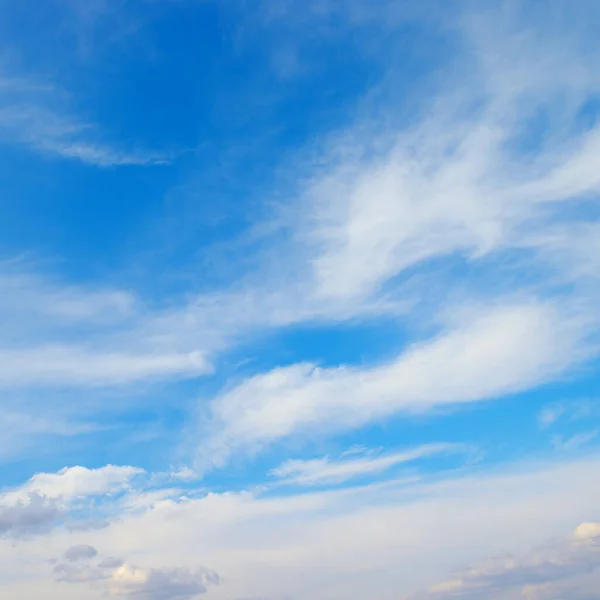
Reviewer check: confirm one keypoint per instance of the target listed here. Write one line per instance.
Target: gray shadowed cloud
(72, 573)
(29, 516)
(110, 563)
(542, 574)
(161, 584)
(75, 553)
(80, 569)
(82, 564)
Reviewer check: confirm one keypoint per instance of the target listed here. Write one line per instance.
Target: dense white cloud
(160, 584)
(46, 499)
(30, 515)
(72, 483)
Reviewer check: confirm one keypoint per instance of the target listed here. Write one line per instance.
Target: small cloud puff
(80, 552)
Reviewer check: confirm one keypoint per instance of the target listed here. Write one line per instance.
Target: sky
(298, 299)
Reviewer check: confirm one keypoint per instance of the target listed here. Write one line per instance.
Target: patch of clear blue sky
(199, 81)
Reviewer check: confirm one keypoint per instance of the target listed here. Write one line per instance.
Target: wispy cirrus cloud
(73, 365)
(379, 204)
(499, 351)
(324, 471)
(379, 214)
(36, 116)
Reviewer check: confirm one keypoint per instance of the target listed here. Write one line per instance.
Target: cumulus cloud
(72, 483)
(75, 573)
(538, 575)
(118, 578)
(379, 540)
(47, 498)
(79, 567)
(29, 515)
(160, 584)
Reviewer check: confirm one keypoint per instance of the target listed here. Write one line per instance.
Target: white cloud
(26, 297)
(500, 351)
(456, 183)
(115, 577)
(160, 584)
(72, 365)
(72, 483)
(375, 541)
(29, 515)
(459, 183)
(85, 571)
(587, 532)
(46, 321)
(72, 573)
(31, 115)
(535, 574)
(46, 500)
(325, 471)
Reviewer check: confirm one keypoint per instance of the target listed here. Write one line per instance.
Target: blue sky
(299, 299)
